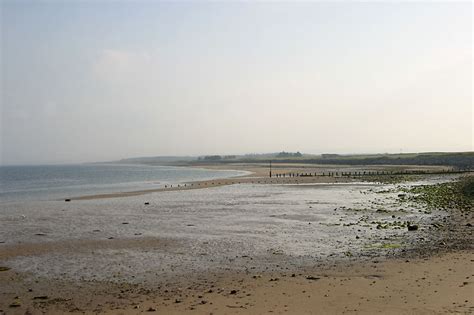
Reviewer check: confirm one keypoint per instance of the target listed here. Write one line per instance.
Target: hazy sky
(91, 81)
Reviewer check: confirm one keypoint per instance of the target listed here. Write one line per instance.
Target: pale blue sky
(103, 80)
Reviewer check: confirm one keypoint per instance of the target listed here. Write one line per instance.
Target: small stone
(233, 292)
(151, 309)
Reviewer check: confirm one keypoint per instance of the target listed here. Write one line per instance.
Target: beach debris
(312, 278)
(67, 200)
(40, 297)
(151, 309)
(233, 292)
(412, 227)
(124, 222)
(3, 268)
(110, 238)
(40, 234)
(177, 301)
(147, 203)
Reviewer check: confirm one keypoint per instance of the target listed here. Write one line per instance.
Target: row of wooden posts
(331, 174)
(367, 173)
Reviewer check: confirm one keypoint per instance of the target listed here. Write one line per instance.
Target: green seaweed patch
(452, 195)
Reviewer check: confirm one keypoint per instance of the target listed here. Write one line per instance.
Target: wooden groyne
(372, 173)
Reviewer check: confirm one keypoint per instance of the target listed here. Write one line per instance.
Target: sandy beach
(258, 173)
(248, 245)
(440, 284)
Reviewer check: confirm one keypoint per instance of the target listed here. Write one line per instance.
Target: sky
(85, 81)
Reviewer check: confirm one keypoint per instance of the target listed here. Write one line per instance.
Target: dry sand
(437, 285)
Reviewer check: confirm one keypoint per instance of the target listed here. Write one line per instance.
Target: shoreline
(258, 174)
(432, 274)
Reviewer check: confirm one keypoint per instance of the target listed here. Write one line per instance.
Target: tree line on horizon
(461, 160)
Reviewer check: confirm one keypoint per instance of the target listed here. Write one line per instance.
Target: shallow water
(21, 183)
(230, 227)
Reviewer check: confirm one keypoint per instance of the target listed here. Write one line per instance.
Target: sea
(51, 182)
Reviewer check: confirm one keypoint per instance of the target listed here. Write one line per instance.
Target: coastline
(259, 174)
(431, 275)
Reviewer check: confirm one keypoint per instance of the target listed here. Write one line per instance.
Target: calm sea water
(26, 183)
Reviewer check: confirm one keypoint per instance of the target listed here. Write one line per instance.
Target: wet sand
(431, 272)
